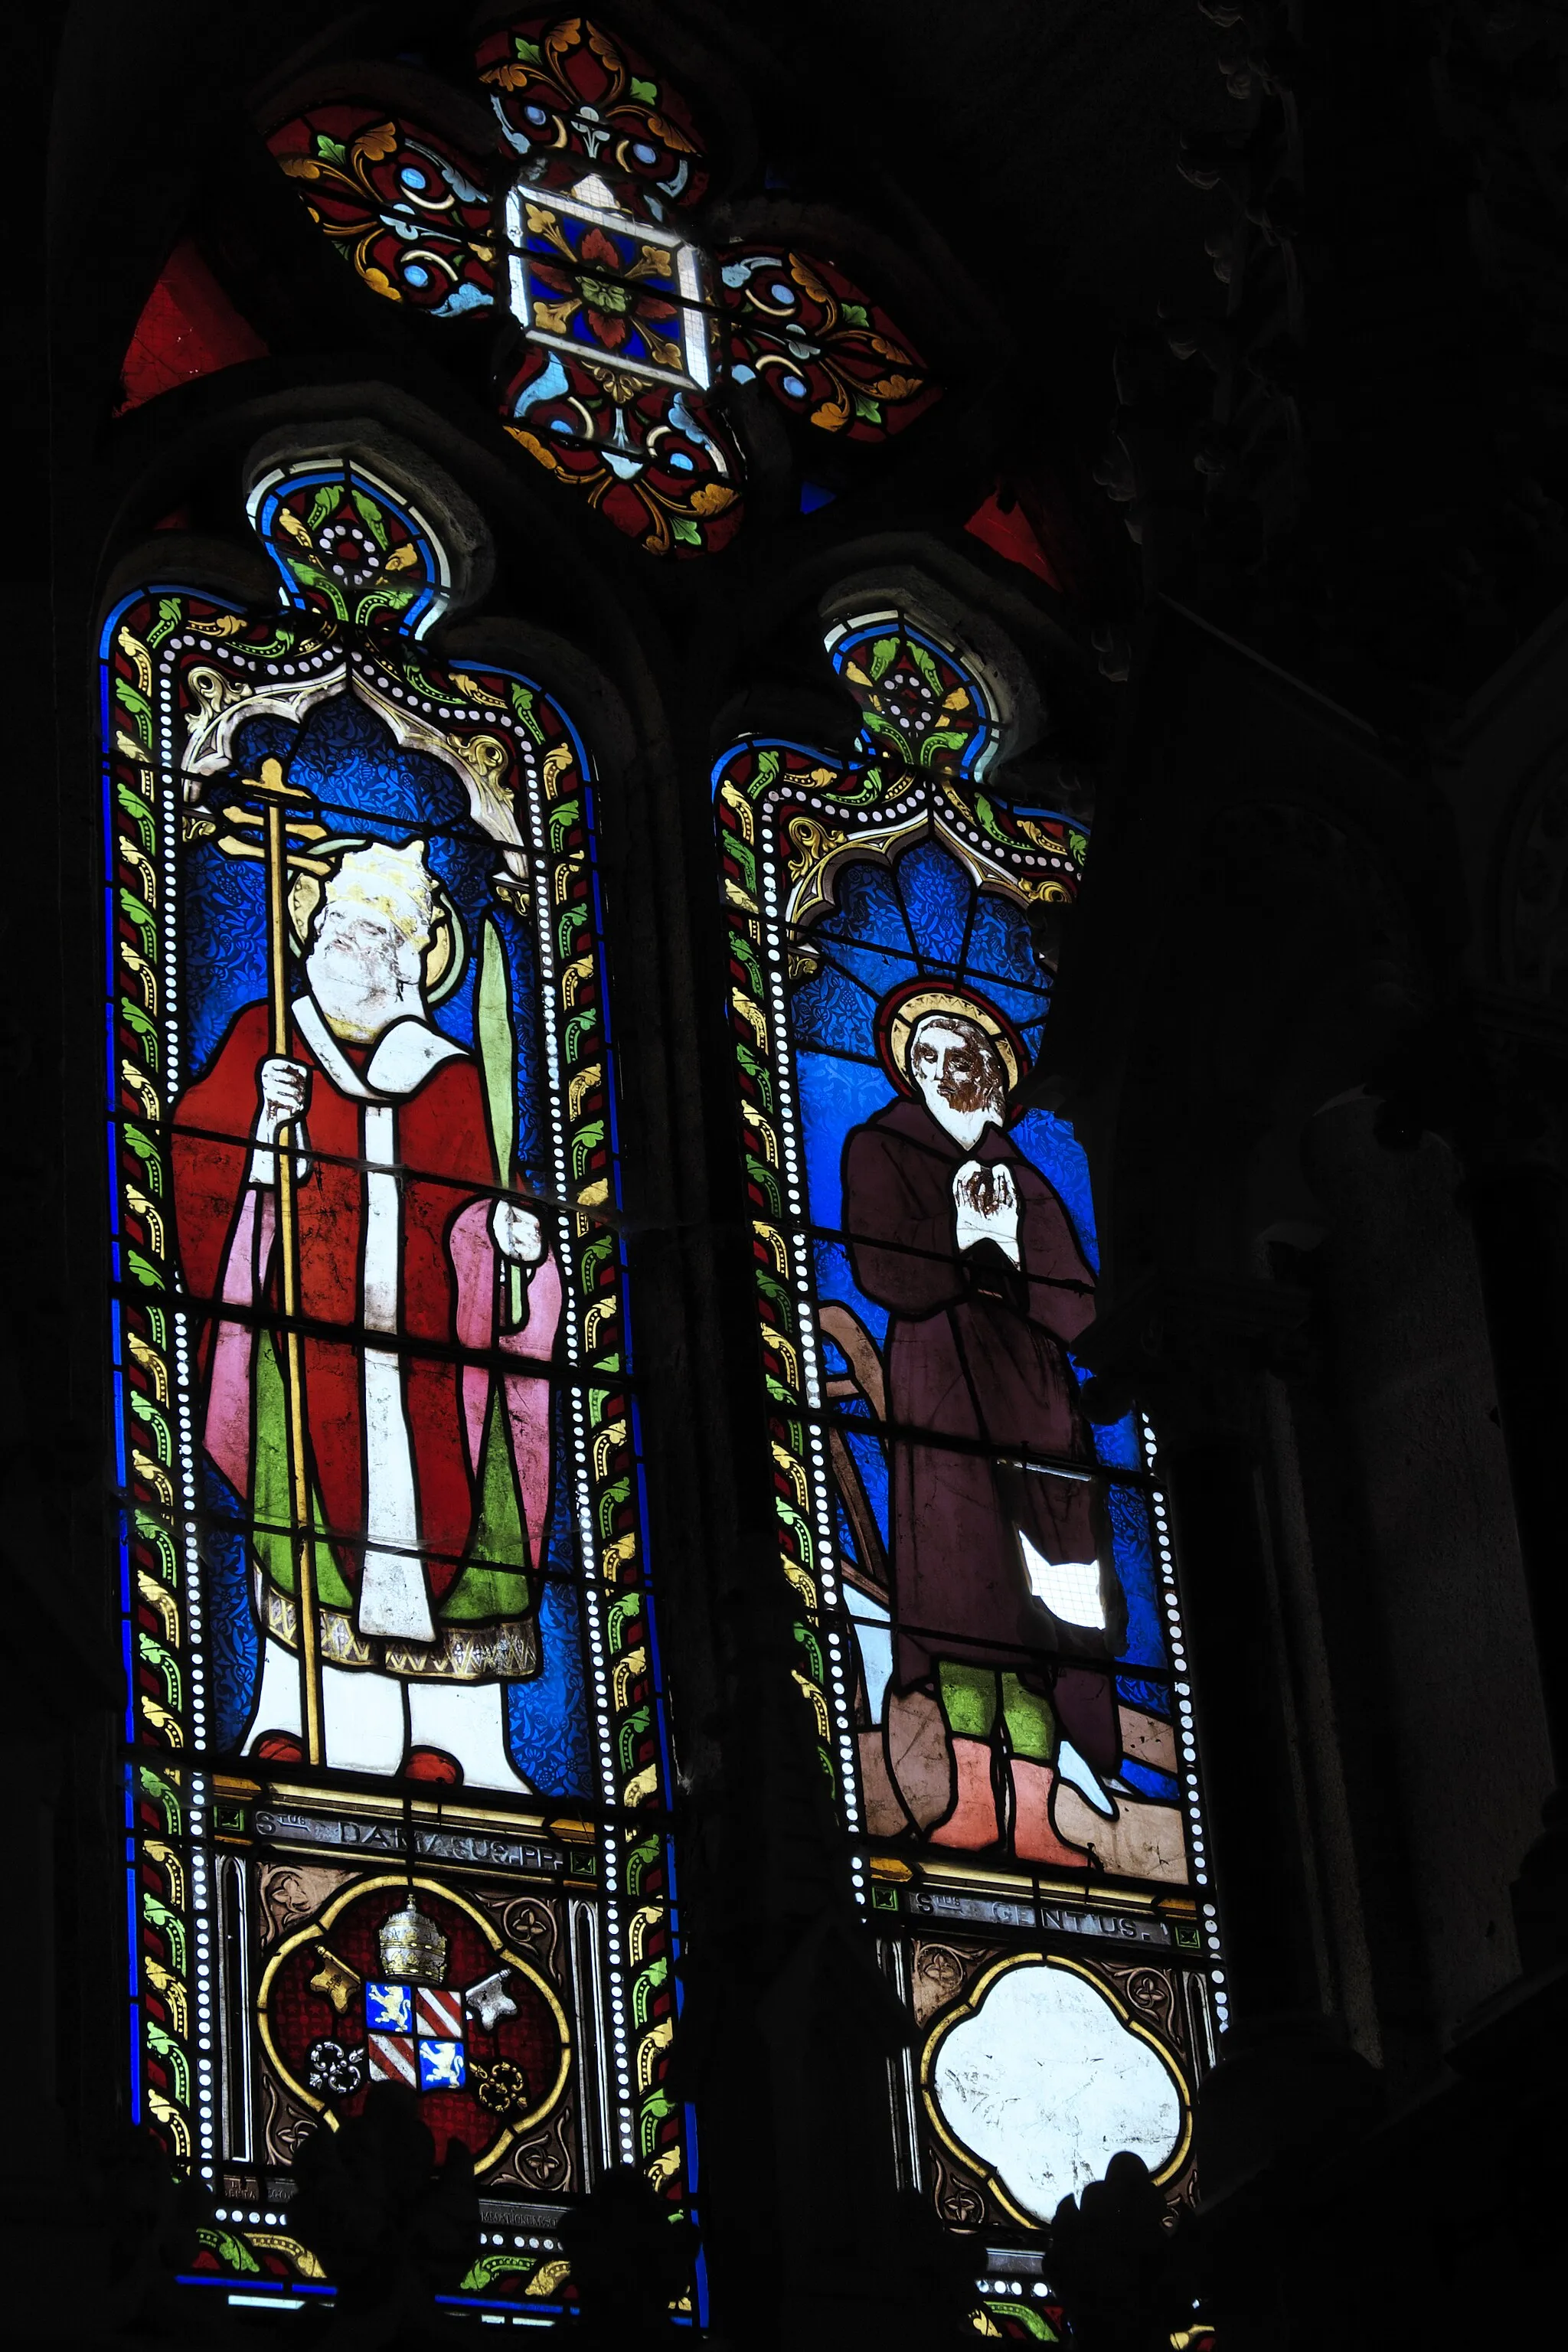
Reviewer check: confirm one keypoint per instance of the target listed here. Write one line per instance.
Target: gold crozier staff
(275, 796)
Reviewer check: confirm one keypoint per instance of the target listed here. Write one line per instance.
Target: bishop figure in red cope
(429, 1469)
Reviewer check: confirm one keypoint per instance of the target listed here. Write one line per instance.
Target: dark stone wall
(1457, 1726)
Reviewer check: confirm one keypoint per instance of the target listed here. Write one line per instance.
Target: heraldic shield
(395, 1983)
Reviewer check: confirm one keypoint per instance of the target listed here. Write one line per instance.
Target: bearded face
(957, 1071)
(364, 971)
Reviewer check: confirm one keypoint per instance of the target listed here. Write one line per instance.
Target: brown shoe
(972, 1824)
(1035, 1836)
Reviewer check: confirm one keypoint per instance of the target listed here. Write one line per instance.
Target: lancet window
(987, 1626)
(397, 1790)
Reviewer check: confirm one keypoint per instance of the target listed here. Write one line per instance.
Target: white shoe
(276, 1706)
(1079, 1775)
(464, 1720)
(364, 1725)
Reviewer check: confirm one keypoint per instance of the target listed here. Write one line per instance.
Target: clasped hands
(284, 1091)
(986, 1199)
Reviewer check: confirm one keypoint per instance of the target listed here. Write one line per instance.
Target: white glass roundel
(1044, 2083)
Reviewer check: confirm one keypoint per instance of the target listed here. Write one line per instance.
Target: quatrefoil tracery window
(628, 326)
(581, 259)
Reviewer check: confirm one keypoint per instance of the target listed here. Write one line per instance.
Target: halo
(904, 1007)
(447, 951)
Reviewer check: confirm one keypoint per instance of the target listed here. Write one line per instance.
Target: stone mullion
(1243, 1724)
(1195, 1352)
(1192, 1353)
(1515, 1147)
(1520, 1214)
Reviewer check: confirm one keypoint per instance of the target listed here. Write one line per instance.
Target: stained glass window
(583, 227)
(988, 1627)
(397, 1781)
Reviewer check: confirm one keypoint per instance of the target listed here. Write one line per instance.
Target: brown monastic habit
(976, 1352)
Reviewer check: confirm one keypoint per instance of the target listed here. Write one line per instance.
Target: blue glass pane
(871, 1464)
(226, 945)
(547, 1728)
(1021, 1000)
(938, 896)
(1134, 1556)
(547, 1718)
(835, 1096)
(878, 935)
(875, 969)
(1001, 942)
(233, 1633)
(1050, 1143)
(868, 907)
(349, 758)
(834, 1280)
(1116, 1443)
(846, 1548)
(831, 1012)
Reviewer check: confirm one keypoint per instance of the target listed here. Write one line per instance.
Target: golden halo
(901, 1013)
(448, 950)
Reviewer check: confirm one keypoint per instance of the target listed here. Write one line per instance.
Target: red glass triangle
(1010, 534)
(188, 327)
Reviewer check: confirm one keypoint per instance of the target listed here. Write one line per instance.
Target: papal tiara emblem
(412, 1946)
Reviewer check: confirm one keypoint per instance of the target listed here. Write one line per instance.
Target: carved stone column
(1191, 1350)
(1516, 1151)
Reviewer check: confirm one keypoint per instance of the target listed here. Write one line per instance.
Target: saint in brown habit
(976, 1350)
